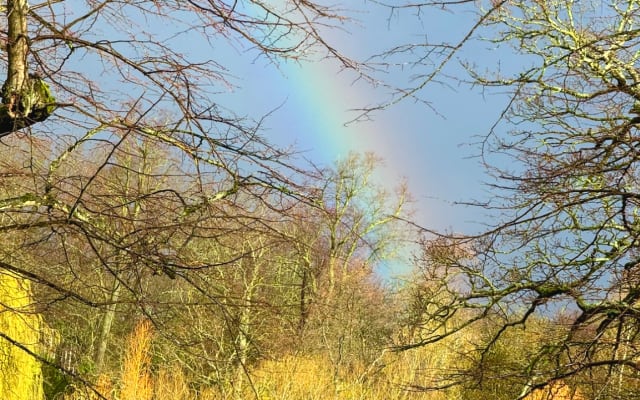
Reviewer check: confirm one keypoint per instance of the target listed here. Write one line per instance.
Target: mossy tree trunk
(20, 371)
(26, 99)
(20, 325)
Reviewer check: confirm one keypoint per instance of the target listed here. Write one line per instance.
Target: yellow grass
(393, 376)
(291, 377)
(313, 378)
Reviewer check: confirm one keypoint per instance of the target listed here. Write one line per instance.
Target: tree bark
(26, 98)
(105, 329)
(17, 48)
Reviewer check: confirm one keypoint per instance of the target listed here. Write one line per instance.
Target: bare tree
(564, 157)
(119, 161)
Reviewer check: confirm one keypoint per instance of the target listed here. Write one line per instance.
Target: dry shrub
(104, 386)
(557, 390)
(392, 376)
(103, 389)
(312, 378)
(293, 377)
(171, 384)
(206, 394)
(137, 382)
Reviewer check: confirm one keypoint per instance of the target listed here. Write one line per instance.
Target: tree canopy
(563, 155)
(135, 203)
(128, 190)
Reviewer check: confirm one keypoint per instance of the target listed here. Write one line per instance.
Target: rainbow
(317, 110)
(320, 100)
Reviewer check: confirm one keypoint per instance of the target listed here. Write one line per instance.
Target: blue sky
(311, 103)
(431, 151)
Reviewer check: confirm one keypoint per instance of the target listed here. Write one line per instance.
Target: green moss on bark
(34, 104)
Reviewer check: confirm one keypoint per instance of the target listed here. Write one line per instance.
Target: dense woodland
(156, 245)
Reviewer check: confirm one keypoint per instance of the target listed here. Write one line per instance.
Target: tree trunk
(105, 329)
(26, 98)
(17, 48)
